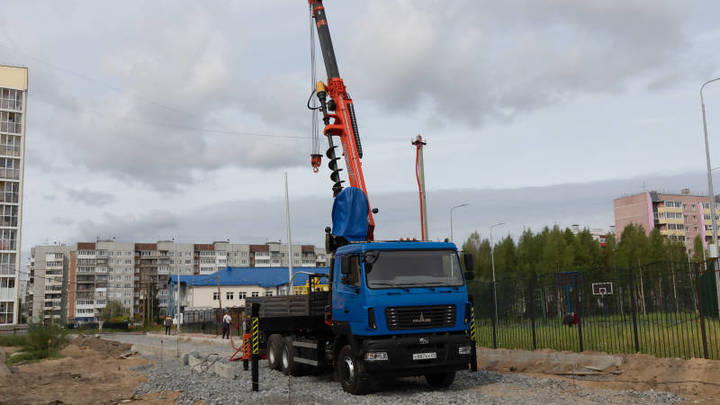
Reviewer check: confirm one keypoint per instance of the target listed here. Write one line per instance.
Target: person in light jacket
(226, 321)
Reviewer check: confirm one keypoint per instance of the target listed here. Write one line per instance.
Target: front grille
(425, 317)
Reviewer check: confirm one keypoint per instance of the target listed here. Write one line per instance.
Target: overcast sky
(153, 120)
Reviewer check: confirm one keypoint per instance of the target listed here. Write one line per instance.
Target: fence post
(633, 305)
(578, 308)
(531, 307)
(492, 317)
(698, 292)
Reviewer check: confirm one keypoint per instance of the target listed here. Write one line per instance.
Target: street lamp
(713, 253)
(452, 239)
(492, 262)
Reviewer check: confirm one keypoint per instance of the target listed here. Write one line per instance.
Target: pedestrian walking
(227, 320)
(168, 324)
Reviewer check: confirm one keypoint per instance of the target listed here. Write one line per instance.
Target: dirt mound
(695, 379)
(113, 349)
(83, 376)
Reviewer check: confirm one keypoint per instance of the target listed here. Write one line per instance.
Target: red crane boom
(338, 116)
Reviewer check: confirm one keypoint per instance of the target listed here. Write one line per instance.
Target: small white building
(235, 284)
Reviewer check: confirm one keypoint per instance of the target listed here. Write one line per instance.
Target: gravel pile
(483, 387)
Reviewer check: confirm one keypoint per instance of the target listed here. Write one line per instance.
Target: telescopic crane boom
(338, 116)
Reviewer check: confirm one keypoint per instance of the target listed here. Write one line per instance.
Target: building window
(215, 296)
(268, 293)
(255, 294)
(229, 295)
(242, 295)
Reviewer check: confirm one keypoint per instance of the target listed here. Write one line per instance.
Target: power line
(141, 97)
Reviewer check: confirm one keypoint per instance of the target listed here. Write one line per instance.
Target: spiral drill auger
(334, 170)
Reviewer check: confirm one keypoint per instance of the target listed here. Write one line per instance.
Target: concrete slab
(225, 370)
(545, 360)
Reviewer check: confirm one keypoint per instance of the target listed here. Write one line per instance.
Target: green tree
(698, 249)
(657, 247)
(633, 247)
(113, 309)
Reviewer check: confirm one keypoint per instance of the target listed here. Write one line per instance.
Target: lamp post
(452, 238)
(492, 263)
(713, 253)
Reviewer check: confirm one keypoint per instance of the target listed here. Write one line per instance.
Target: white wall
(202, 297)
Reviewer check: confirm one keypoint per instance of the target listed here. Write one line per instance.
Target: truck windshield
(400, 269)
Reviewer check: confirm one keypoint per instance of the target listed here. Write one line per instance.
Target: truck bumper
(400, 351)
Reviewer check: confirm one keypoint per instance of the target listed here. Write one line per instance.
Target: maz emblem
(422, 319)
(424, 340)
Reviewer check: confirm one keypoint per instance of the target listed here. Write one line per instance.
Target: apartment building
(13, 107)
(274, 254)
(679, 217)
(49, 283)
(129, 272)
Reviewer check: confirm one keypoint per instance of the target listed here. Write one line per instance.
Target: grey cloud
(90, 197)
(257, 221)
(470, 61)
(151, 225)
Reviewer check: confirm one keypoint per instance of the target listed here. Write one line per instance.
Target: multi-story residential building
(128, 272)
(679, 217)
(50, 282)
(13, 107)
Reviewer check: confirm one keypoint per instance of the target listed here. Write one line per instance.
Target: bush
(45, 339)
(12, 340)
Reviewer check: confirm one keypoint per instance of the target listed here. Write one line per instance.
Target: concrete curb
(550, 361)
(197, 339)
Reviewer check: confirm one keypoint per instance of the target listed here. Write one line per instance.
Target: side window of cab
(350, 268)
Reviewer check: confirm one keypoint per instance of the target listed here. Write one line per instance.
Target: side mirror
(468, 261)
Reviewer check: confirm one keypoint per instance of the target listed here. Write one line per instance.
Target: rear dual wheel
(274, 351)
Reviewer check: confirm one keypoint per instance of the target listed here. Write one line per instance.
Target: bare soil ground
(90, 372)
(698, 380)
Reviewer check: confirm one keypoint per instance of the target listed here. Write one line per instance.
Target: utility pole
(177, 270)
(289, 237)
(712, 252)
(420, 176)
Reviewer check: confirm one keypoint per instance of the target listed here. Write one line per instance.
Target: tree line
(555, 250)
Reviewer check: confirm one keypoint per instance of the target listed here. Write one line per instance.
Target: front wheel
(349, 373)
(440, 380)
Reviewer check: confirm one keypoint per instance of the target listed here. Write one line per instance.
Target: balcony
(10, 127)
(11, 104)
(7, 244)
(9, 150)
(12, 174)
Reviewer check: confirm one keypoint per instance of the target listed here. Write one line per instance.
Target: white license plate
(424, 356)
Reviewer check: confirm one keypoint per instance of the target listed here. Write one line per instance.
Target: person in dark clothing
(168, 324)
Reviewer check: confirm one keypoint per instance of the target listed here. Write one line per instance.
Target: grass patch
(12, 340)
(658, 334)
(41, 342)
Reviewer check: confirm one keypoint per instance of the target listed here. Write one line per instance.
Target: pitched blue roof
(260, 276)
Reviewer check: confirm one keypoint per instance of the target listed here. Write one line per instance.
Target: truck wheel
(349, 372)
(440, 380)
(274, 350)
(287, 358)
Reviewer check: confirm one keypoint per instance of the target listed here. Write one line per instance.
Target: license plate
(424, 356)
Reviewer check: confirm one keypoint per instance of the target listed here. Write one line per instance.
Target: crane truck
(394, 308)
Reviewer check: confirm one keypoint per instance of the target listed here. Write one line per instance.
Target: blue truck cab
(404, 306)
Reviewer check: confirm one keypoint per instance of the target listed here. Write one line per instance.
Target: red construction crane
(338, 116)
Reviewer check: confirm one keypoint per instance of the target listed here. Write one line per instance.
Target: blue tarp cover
(350, 214)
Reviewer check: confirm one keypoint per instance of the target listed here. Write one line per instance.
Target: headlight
(464, 349)
(376, 356)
